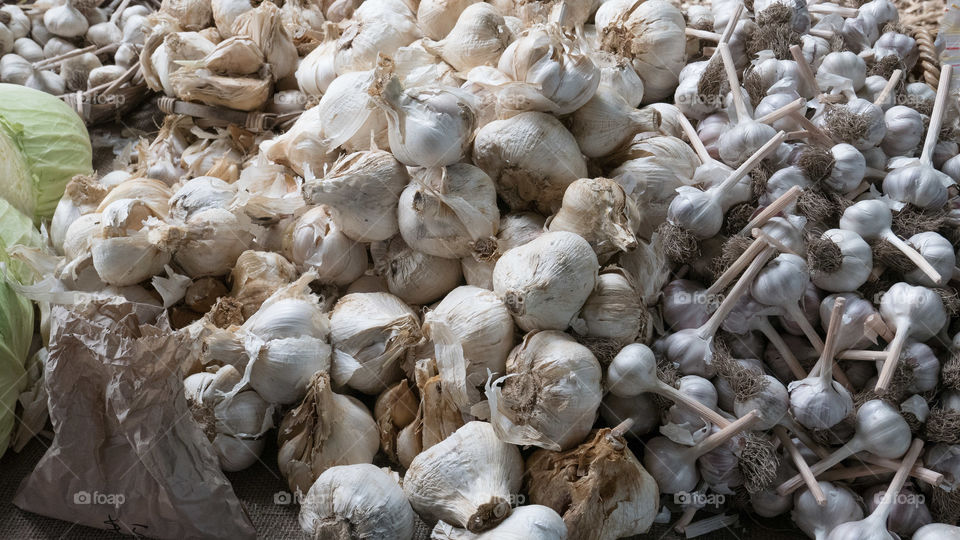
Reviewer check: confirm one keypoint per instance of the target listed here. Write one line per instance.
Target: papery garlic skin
(256, 276)
(359, 501)
(413, 276)
(613, 310)
(550, 394)
(441, 211)
(512, 153)
(546, 281)
(379, 27)
(283, 367)
(466, 480)
(938, 251)
(370, 332)
(904, 131)
(215, 238)
(436, 18)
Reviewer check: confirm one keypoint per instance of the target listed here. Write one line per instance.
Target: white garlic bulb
(234, 420)
(550, 394)
(443, 210)
(315, 240)
(938, 251)
(379, 27)
(479, 38)
(132, 244)
(362, 501)
(427, 126)
(561, 76)
(904, 131)
(601, 212)
(607, 121)
(263, 25)
(370, 333)
(546, 281)
(19, 23)
(842, 67)
(436, 18)
(510, 151)
(214, 239)
(282, 368)
(413, 276)
(256, 276)
(529, 522)
(327, 429)
(317, 69)
(613, 310)
(844, 261)
(651, 35)
(467, 480)
(858, 122)
(515, 229)
(65, 20)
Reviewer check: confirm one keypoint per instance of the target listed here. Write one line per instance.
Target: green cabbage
(16, 334)
(43, 144)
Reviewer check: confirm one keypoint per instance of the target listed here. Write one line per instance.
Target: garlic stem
(893, 357)
(754, 250)
(763, 325)
(876, 324)
(797, 315)
(918, 471)
(806, 72)
(829, 349)
(707, 413)
(826, 9)
(773, 209)
(731, 69)
(709, 328)
(914, 256)
(870, 356)
(703, 34)
(890, 495)
(725, 434)
(852, 447)
(936, 117)
(752, 162)
(801, 465)
(694, 137)
(787, 110)
(888, 88)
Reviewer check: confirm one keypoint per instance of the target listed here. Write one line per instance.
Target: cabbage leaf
(16, 334)
(43, 144)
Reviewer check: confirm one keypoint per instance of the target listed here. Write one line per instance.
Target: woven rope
(929, 64)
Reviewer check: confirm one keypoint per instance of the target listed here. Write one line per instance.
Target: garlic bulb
(370, 333)
(481, 325)
(104, 33)
(599, 210)
(849, 167)
(442, 210)
(191, 16)
(938, 251)
(65, 20)
(838, 68)
(479, 38)
(618, 76)
(651, 35)
(19, 23)
(360, 501)
(325, 430)
(315, 240)
(858, 122)
(235, 421)
(76, 71)
(607, 121)
(283, 368)
(379, 27)
(57, 46)
(264, 27)
(15, 69)
(546, 281)
(613, 310)
(530, 522)
(132, 245)
(28, 49)
(317, 69)
(604, 465)
(256, 276)
(550, 394)
(510, 151)
(559, 77)
(904, 131)
(467, 480)
(214, 239)
(411, 275)
(427, 127)
(436, 18)
(815, 520)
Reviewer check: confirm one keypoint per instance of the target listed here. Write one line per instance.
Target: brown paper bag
(127, 455)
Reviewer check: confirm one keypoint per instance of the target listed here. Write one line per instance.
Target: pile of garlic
(489, 253)
(66, 46)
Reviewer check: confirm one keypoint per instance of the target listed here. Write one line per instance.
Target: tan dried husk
(395, 409)
(235, 56)
(257, 275)
(600, 488)
(240, 93)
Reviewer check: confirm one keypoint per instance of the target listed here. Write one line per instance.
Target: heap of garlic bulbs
(66, 46)
(488, 223)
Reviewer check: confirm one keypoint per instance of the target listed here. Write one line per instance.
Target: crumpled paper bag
(127, 455)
